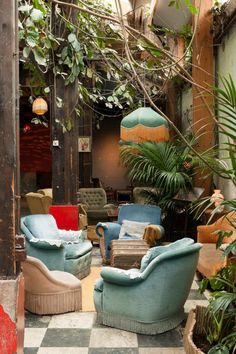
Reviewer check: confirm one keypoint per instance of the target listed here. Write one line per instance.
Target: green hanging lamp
(144, 124)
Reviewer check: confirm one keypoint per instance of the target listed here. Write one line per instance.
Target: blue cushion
(141, 213)
(42, 226)
(74, 251)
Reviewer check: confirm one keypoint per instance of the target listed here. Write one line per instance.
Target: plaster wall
(225, 65)
(186, 109)
(106, 164)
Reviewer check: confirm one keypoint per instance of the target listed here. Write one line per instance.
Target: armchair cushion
(132, 229)
(73, 252)
(48, 227)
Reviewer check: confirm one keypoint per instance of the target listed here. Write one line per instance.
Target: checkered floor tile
(78, 332)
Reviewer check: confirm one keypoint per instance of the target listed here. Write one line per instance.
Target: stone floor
(78, 332)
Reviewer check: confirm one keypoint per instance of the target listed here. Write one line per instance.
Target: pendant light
(39, 106)
(144, 124)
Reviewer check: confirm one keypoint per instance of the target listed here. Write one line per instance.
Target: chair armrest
(152, 234)
(84, 207)
(99, 285)
(121, 276)
(47, 244)
(111, 230)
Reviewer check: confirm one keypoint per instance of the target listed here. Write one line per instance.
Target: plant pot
(195, 326)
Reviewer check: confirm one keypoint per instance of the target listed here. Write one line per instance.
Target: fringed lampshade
(144, 124)
(40, 106)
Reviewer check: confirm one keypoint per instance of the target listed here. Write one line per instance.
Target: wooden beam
(85, 158)
(8, 148)
(202, 72)
(172, 98)
(64, 143)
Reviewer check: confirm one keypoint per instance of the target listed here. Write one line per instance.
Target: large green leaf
(39, 57)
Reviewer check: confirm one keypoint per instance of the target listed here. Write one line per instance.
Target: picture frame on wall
(84, 144)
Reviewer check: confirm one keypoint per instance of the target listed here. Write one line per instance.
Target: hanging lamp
(39, 106)
(144, 124)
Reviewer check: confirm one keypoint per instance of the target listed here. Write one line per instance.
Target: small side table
(127, 254)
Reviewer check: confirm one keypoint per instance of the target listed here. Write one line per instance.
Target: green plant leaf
(39, 57)
(36, 15)
(25, 8)
(26, 52)
(32, 41)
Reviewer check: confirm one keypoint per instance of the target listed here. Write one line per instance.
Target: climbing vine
(91, 50)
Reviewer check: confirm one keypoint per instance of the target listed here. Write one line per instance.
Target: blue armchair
(134, 212)
(150, 300)
(58, 249)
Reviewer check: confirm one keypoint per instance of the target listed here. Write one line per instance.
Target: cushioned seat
(73, 251)
(150, 300)
(45, 191)
(38, 203)
(50, 292)
(57, 249)
(94, 201)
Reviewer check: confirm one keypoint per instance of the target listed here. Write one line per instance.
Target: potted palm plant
(167, 167)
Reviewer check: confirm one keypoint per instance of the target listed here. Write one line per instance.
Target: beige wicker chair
(45, 191)
(50, 292)
(38, 203)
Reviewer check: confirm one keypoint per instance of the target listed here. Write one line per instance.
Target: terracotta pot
(217, 198)
(196, 324)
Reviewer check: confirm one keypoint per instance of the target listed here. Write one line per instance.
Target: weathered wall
(106, 163)
(225, 65)
(186, 102)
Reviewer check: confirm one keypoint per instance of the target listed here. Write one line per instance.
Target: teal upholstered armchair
(57, 249)
(109, 231)
(150, 300)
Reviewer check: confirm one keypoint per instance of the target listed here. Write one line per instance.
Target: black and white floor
(78, 333)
